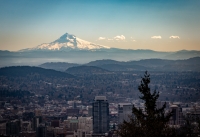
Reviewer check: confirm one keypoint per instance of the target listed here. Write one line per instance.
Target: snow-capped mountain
(68, 42)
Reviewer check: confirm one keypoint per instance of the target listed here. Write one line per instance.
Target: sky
(160, 25)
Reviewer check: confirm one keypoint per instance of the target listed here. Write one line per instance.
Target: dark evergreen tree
(150, 122)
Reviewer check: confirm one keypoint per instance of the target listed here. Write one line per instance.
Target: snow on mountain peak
(68, 41)
(66, 38)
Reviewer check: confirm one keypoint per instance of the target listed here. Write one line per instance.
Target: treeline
(14, 93)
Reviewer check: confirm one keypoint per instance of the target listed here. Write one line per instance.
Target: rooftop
(100, 98)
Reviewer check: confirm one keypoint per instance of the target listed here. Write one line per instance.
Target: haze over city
(170, 25)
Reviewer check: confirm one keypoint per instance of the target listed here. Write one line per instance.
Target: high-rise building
(72, 111)
(13, 128)
(124, 112)
(55, 123)
(159, 104)
(71, 123)
(41, 130)
(36, 121)
(100, 116)
(176, 118)
(89, 111)
(84, 126)
(26, 126)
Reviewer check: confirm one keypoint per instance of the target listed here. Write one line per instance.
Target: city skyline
(130, 24)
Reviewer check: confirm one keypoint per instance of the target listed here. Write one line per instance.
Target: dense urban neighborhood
(42, 102)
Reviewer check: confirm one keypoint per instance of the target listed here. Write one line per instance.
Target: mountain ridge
(69, 48)
(192, 64)
(67, 42)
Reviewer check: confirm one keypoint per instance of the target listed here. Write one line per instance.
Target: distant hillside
(86, 70)
(21, 71)
(59, 66)
(122, 67)
(102, 62)
(151, 62)
(183, 54)
(192, 64)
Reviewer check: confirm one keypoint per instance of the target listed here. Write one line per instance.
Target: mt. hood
(68, 42)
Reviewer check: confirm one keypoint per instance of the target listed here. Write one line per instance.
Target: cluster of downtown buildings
(100, 118)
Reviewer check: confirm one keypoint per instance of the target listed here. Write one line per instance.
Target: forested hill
(82, 70)
(60, 66)
(21, 71)
(192, 64)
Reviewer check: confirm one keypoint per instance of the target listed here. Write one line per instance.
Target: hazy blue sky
(162, 25)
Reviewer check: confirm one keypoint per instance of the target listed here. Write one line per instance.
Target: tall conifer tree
(150, 122)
